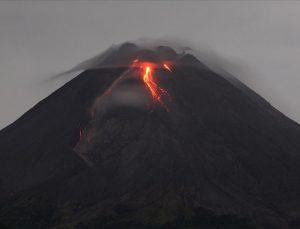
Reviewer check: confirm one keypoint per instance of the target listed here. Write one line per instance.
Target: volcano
(150, 138)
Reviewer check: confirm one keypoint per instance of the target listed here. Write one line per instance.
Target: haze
(257, 41)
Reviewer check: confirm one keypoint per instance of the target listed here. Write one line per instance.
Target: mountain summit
(150, 138)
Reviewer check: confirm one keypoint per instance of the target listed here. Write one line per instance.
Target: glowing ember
(167, 67)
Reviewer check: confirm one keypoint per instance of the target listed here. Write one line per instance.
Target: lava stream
(167, 67)
(156, 91)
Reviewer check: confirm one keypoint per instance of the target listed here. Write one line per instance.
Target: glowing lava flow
(167, 67)
(147, 74)
(156, 91)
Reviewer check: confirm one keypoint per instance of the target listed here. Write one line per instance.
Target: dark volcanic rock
(166, 53)
(219, 158)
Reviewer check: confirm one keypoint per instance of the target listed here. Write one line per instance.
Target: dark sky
(257, 41)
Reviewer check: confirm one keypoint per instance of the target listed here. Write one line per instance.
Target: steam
(203, 53)
(133, 96)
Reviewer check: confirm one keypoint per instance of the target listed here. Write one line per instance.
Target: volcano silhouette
(101, 152)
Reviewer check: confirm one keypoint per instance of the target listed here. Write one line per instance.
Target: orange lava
(167, 67)
(155, 90)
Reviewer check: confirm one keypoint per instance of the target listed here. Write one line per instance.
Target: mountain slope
(90, 155)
